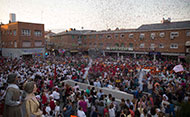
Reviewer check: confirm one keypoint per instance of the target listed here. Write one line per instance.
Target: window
(130, 45)
(25, 32)
(122, 35)
(26, 44)
(116, 35)
(161, 45)
(152, 46)
(109, 36)
(116, 44)
(38, 43)
(15, 44)
(10, 32)
(94, 36)
(108, 44)
(141, 36)
(174, 46)
(100, 36)
(162, 34)
(188, 33)
(7, 32)
(84, 36)
(91, 36)
(141, 45)
(14, 32)
(174, 34)
(187, 50)
(122, 45)
(73, 37)
(131, 35)
(38, 33)
(101, 44)
(74, 45)
(152, 36)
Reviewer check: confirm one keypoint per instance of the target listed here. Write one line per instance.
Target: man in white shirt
(48, 109)
(76, 86)
(80, 112)
(56, 95)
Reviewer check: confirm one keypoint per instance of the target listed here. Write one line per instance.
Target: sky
(58, 15)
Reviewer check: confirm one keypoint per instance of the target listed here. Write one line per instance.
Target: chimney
(12, 17)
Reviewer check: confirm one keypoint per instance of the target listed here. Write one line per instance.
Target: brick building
(48, 35)
(166, 38)
(0, 42)
(22, 38)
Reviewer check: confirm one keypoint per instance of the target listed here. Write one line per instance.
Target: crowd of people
(157, 89)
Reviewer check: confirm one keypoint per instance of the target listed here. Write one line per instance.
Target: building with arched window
(166, 38)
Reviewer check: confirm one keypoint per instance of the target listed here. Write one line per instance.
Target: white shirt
(56, 95)
(81, 113)
(112, 112)
(75, 87)
(110, 86)
(48, 109)
(57, 109)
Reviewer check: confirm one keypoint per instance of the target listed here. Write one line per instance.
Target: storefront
(20, 52)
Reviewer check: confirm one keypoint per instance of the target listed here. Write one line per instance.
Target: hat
(11, 78)
(166, 97)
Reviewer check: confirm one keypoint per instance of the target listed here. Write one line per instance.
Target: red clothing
(74, 77)
(152, 102)
(44, 99)
(106, 111)
(51, 84)
(132, 113)
(52, 105)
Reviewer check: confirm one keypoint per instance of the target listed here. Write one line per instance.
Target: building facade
(22, 38)
(0, 42)
(166, 38)
(48, 35)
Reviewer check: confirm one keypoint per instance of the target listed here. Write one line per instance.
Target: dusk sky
(94, 14)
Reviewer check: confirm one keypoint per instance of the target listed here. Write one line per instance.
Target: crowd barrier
(115, 93)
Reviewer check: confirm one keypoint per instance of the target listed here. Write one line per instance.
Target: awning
(187, 43)
(74, 51)
(181, 56)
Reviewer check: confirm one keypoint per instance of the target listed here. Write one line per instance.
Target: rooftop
(164, 26)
